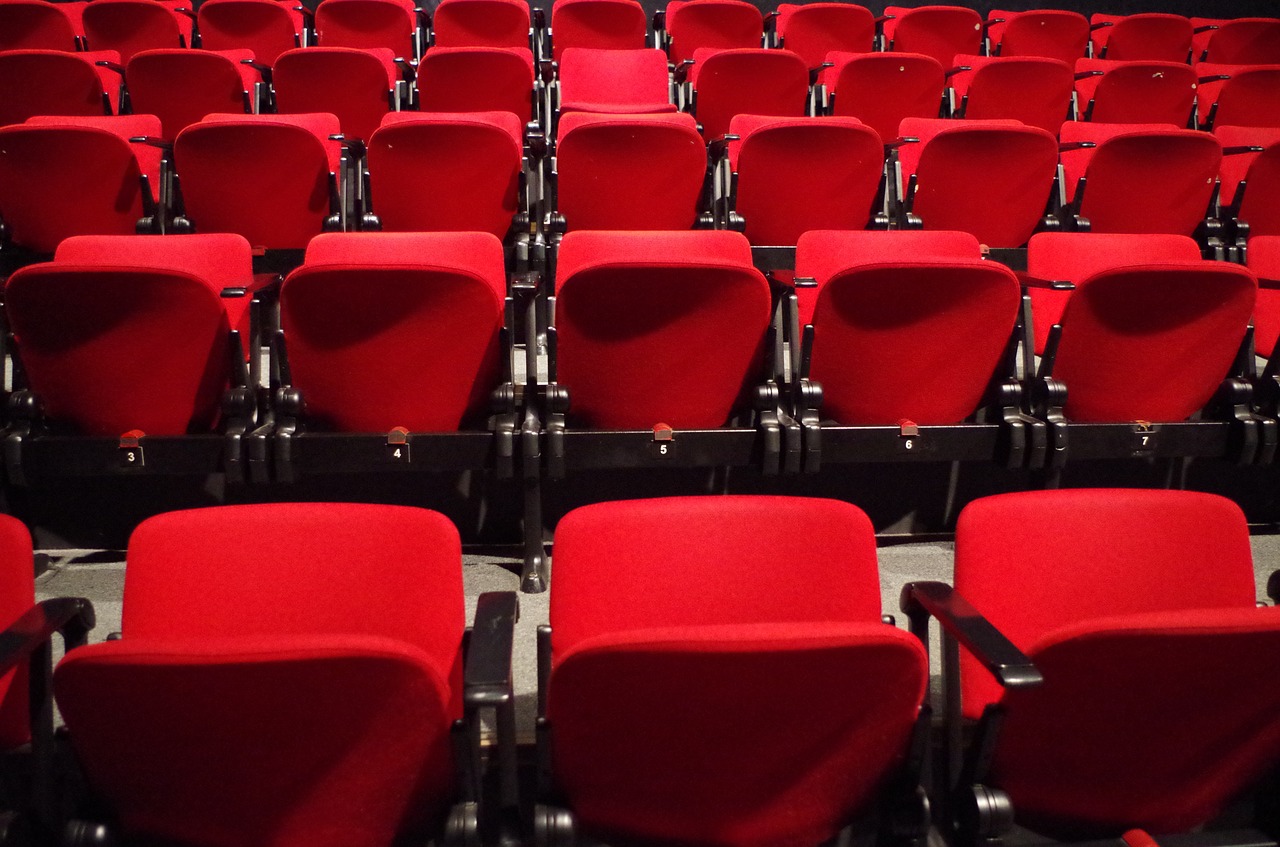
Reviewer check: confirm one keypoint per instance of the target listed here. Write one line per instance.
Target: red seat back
(18, 590)
(614, 81)
(813, 30)
(937, 31)
(368, 25)
(36, 25)
(747, 82)
(714, 24)
(477, 79)
(597, 25)
(1029, 89)
(354, 84)
(629, 301)
(446, 172)
(265, 27)
(1138, 609)
(481, 23)
(1152, 36)
(799, 174)
(1264, 261)
(131, 26)
(882, 89)
(1245, 41)
(257, 692)
(182, 86)
(691, 636)
(629, 172)
(51, 82)
(991, 178)
(1247, 97)
(1047, 33)
(1137, 92)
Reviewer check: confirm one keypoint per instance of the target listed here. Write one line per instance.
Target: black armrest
(73, 617)
(1068, 146)
(408, 72)
(1087, 74)
(997, 653)
(111, 66)
(814, 73)
(264, 70)
(487, 678)
(1102, 25)
(900, 141)
(152, 141)
(1029, 281)
(1214, 78)
(1269, 284)
(1204, 28)
(950, 72)
(681, 71)
(719, 147)
(1246, 148)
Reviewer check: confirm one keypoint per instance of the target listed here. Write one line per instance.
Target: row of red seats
(398, 351)
(317, 709)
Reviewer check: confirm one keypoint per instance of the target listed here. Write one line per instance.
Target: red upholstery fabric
(476, 79)
(367, 25)
(1029, 89)
(798, 174)
(354, 84)
(597, 25)
(1264, 261)
(1138, 92)
(265, 177)
(1139, 613)
(1073, 257)
(910, 339)
(265, 27)
(747, 82)
(1150, 36)
(220, 260)
(58, 181)
(17, 593)
(1142, 177)
(1245, 41)
(228, 718)
(1248, 97)
(481, 23)
(613, 81)
(937, 31)
(882, 89)
(658, 327)
(813, 30)
(131, 26)
(182, 86)
(36, 25)
(50, 82)
(679, 665)
(713, 24)
(991, 178)
(1260, 169)
(629, 171)
(415, 315)
(1047, 33)
(1153, 342)
(155, 360)
(446, 172)
(123, 127)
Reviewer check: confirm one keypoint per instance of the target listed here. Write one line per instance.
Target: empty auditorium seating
(1242, 41)
(597, 25)
(37, 25)
(813, 30)
(841, 681)
(880, 89)
(692, 25)
(791, 175)
(359, 86)
(1135, 92)
(477, 79)
(937, 31)
(129, 356)
(990, 178)
(910, 338)
(1250, 178)
(628, 172)
(1030, 89)
(1143, 347)
(751, 81)
(26, 667)
(481, 23)
(369, 25)
(1139, 177)
(1048, 33)
(1151, 36)
(614, 81)
(53, 82)
(63, 176)
(131, 26)
(272, 178)
(1138, 610)
(182, 86)
(264, 691)
(445, 171)
(265, 27)
(1238, 95)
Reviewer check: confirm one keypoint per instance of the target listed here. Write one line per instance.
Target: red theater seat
(692, 25)
(370, 25)
(1149, 36)
(38, 25)
(813, 30)
(53, 82)
(881, 89)
(227, 717)
(1047, 33)
(267, 28)
(131, 26)
(481, 23)
(1238, 95)
(182, 86)
(477, 79)
(1135, 92)
(680, 663)
(746, 82)
(1029, 89)
(937, 31)
(597, 25)
(359, 86)
(625, 82)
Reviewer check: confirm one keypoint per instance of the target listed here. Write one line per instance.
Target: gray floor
(103, 582)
